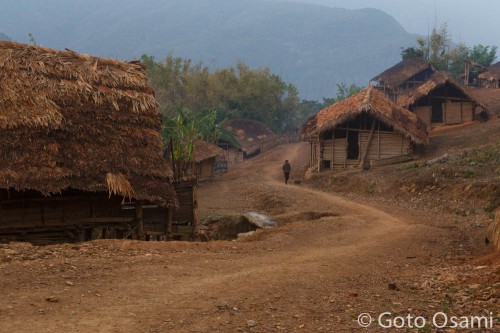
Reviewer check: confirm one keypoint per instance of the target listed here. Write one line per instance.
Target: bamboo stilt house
(432, 95)
(78, 135)
(362, 130)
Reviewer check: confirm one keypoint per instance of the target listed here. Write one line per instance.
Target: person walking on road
(286, 170)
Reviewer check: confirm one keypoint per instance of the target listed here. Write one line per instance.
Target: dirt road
(304, 276)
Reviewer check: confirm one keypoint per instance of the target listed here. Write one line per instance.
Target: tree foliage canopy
(231, 92)
(438, 50)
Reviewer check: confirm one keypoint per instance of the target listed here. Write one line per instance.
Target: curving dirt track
(304, 276)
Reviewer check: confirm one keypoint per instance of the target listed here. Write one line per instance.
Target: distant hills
(4, 37)
(314, 47)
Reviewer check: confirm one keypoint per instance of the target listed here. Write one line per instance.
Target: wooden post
(346, 146)
(311, 153)
(168, 230)
(378, 139)
(333, 149)
(370, 137)
(138, 219)
(445, 104)
(195, 211)
(319, 153)
(402, 143)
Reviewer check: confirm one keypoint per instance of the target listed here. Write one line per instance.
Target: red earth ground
(307, 275)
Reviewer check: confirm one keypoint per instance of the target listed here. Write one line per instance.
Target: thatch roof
(250, 132)
(438, 79)
(375, 103)
(402, 71)
(204, 150)
(492, 74)
(70, 120)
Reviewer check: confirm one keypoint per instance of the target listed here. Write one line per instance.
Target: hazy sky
(469, 21)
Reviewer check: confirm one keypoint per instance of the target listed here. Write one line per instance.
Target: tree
(344, 91)
(412, 52)
(233, 92)
(457, 58)
(483, 55)
(181, 131)
(32, 39)
(438, 51)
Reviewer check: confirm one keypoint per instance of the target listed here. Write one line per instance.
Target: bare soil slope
(311, 274)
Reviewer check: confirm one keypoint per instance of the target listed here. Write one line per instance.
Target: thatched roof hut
(365, 128)
(403, 71)
(73, 121)
(204, 150)
(374, 103)
(491, 77)
(436, 80)
(250, 133)
(436, 98)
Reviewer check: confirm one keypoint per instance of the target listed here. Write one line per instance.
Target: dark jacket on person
(287, 168)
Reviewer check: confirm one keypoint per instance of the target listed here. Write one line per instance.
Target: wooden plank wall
(205, 168)
(56, 212)
(467, 111)
(384, 145)
(391, 145)
(457, 113)
(424, 113)
(81, 217)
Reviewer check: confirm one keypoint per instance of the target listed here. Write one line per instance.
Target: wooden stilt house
(80, 148)
(432, 95)
(362, 130)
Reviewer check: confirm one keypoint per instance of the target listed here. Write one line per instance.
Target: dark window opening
(352, 146)
(325, 164)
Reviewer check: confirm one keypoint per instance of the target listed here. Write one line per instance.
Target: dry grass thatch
(402, 71)
(438, 79)
(374, 103)
(250, 132)
(70, 120)
(204, 150)
(492, 74)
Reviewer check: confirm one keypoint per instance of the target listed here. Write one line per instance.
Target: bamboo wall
(384, 145)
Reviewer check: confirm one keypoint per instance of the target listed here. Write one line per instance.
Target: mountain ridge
(314, 47)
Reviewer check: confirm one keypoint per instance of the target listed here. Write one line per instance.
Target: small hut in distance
(205, 156)
(432, 95)
(251, 135)
(362, 130)
(491, 77)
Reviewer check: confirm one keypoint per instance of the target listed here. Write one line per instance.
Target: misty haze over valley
(315, 46)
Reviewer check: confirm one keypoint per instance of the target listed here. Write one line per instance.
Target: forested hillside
(313, 47)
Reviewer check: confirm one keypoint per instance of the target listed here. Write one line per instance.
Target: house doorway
(352, 145)
(437, 111)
